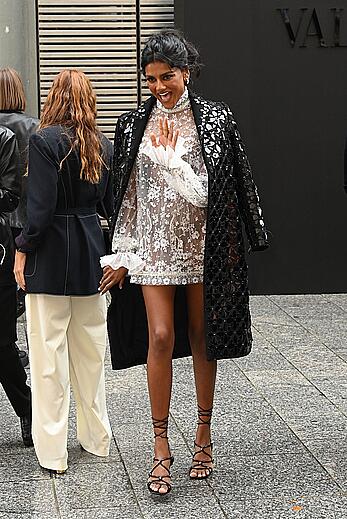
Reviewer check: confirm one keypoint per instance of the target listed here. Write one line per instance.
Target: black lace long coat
(232, 198)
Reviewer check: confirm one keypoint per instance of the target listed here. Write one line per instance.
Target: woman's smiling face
(165, 83)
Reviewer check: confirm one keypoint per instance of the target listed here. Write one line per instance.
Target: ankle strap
(204, 415)
(162, 425)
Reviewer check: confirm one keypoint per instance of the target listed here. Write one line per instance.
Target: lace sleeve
(178, 174)
(124, 242)
(124, 237)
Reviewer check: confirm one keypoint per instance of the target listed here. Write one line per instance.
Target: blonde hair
(71, 102)
(12, 96)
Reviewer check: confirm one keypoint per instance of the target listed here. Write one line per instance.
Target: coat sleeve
(106, 207)
(247, 192)
(9, 175)
(345, 172)
(41, 193)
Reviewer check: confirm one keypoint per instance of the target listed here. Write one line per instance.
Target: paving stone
(20, 467)
(193, 502)
(263, 356)
(279, 429)
(264, 310)
(285, 337)
(338, 299)
(262, 437)
(333, 425)
(316, 360)
(124, 510)
(291, 394)
(28, 497)
(92, 486)
(78, 456)
(292, 506)
(334, 388)
(10, 431)
(269, 476)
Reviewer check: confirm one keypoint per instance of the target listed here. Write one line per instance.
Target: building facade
(102, 37)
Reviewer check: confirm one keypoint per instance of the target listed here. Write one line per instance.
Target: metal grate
(103, 38)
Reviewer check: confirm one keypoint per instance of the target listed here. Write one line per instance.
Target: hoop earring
(186, 80)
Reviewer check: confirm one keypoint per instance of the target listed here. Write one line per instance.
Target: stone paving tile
(335, 463)
(30, 515)
(21, 467)
(285, 336)
(293, 506)
(78, 456)
(279, 430)
(263, 357)
(28, 497)
(264, 310)
(94, 485)
(193, 502)
(10, 432)
(303, 305)
(334, 388)
(338, 299)
(123, 510)
(263, 437)
(267, 476)
(290, 393)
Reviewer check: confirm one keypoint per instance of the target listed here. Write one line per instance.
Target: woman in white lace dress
(159, 236)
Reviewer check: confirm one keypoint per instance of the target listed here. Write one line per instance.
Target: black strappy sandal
(161, 425)
(204, 418)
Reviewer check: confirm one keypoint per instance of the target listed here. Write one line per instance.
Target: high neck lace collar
(181, 104)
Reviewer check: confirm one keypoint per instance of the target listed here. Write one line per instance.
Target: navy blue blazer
(63, 238)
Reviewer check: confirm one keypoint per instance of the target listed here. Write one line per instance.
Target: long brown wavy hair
(71, 102)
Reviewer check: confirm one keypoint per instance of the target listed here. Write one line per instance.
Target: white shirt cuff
(128, 260)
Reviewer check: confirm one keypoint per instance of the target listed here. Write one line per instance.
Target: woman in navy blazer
(57, 263)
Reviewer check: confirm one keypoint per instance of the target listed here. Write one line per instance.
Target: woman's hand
(112, 277)
(167, 134)
(19, 266)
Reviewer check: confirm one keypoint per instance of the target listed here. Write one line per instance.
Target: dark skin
(159, 301)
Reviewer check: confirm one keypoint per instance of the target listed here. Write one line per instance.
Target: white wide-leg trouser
(67, 341)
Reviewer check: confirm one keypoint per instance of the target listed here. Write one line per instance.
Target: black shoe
(25, 423)
(20, 302)
(22, 355)
(160, 482)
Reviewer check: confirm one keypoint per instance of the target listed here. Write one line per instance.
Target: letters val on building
(309, 26)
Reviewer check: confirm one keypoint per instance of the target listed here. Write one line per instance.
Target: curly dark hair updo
(172, 48)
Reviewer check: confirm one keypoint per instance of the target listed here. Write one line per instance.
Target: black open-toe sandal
(198, 466)
(160, 481)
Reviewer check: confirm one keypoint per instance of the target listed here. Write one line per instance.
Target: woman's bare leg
(159, 301)
(204, 370)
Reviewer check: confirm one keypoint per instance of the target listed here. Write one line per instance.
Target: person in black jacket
(13, 116)
(57, 263)
(12, 374)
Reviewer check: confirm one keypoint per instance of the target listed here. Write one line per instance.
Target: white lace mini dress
(160, 230)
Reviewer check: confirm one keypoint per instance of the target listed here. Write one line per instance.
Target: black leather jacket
(22, 126)
(9, 199)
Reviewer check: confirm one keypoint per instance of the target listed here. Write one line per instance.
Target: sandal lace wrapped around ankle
(161, 432)
(199, 466)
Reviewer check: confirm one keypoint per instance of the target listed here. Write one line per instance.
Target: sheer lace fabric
(163, 214)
